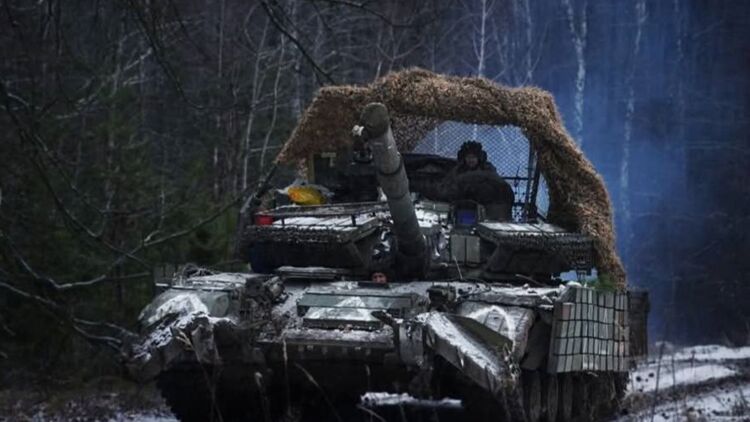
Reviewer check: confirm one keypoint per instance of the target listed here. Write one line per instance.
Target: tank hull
(319, 347)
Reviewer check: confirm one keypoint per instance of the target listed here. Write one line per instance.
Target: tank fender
(188, 336)
(180, 325)
(512, 324)
(182, 301)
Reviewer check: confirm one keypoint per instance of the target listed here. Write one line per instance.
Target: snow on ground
(106, 399)
(143, 417)
(713, 352)
(724, 403)
(698, 383)
(74, 412)
(650, 377)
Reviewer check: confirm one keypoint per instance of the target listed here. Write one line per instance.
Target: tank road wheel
(532, 395)
(565, 398)
(549, 397)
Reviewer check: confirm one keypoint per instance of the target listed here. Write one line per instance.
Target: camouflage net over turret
(419, 99)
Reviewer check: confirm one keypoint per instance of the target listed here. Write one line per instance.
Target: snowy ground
(695, 384)
(111, 400)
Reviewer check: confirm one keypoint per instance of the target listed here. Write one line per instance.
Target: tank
(421, 288)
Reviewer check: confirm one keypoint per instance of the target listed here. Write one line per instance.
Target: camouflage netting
(419, 99)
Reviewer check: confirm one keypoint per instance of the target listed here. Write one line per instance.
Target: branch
(111, 342)
(31, 297)
(122, 332)
(169, 71)
(199, 224)
(61, 314)
(365, 9)
(5, 327)
(67, 286)
(295, 41)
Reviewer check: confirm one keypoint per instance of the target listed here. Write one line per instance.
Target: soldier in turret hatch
(476, 179)
(472, 157)
(379, 277)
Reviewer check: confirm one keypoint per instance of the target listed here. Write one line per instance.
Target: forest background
(132, 129)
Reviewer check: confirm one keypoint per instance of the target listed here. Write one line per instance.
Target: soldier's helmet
(474, 148)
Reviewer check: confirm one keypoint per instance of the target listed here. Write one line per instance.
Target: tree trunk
(640, 13)
(578, 33)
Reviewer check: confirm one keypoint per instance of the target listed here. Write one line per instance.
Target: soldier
(379, 277)
(476, 179)
(472, 157)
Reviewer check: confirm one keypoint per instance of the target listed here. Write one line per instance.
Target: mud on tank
(476, 316)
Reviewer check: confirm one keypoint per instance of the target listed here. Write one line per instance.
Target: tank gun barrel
(375, 130)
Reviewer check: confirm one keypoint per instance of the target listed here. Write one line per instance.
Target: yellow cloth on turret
(306, 195)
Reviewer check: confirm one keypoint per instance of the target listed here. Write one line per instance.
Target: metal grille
(507, 149)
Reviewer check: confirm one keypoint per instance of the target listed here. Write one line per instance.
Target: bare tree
(624, 179)
(578, 28)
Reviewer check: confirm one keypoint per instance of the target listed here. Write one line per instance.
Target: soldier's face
(471, 161)
(379, 277)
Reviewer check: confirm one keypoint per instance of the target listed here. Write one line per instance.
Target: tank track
(572, 396)
(187, 395)
(203, 394)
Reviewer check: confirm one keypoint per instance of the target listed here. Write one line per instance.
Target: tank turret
(375, 131)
